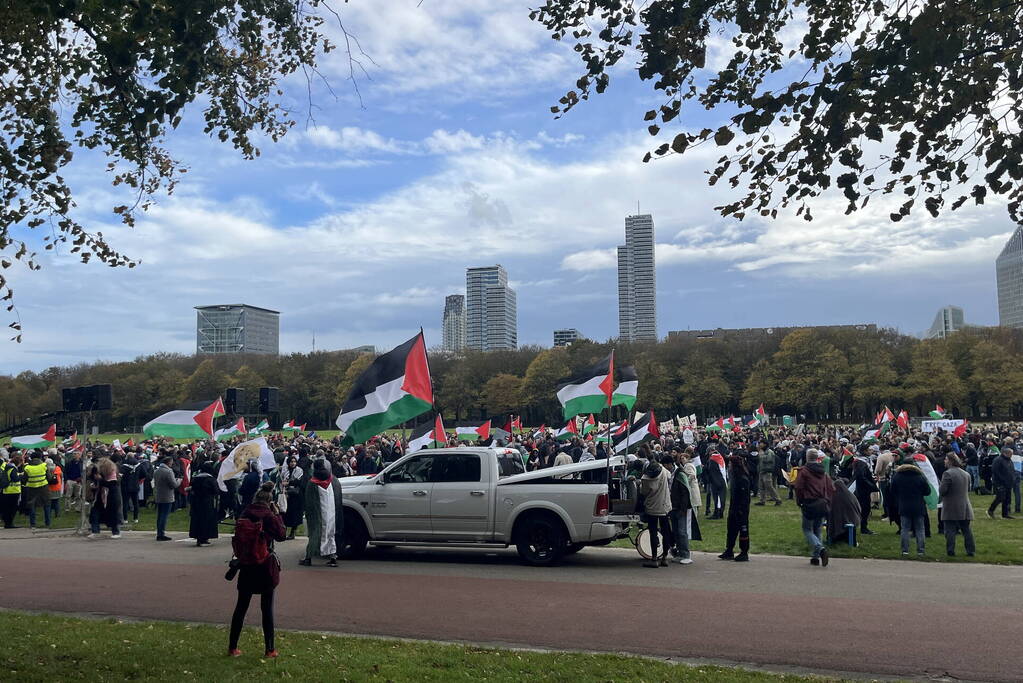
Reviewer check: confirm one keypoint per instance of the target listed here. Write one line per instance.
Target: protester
(766, 476)
(738, 509)
(655, 487)
(203, 493)
(165, 484)
(909, 488)
(324, 516)
(11, 478)
(1002, 478)
(814, 491)
(259, 570)
(956, 509)
(34, 489)
(293, 484)
(685, 499)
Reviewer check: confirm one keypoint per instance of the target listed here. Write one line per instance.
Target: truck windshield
(510, 463)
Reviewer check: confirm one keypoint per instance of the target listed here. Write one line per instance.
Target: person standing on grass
(863, 478)
(766, 468)
(956, 509)
(738, 508)
(165, 485)
(259, 570)
(1002, 478)
(10, 489)
(909, 487)
(814, 491)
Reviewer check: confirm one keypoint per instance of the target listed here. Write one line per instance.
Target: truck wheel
(355, 536)
(541, 541)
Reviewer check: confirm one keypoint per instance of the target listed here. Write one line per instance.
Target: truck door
(400, 507)
(461, 500)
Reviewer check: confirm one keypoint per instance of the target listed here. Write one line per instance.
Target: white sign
(928, 426)
(687, 437)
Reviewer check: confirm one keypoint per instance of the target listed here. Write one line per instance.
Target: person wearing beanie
(738, 508)
(655, 486)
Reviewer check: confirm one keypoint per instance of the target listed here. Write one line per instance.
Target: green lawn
(55, 648)
(777, 530)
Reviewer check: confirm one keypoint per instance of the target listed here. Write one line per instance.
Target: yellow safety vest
(15, 485)
(36, 476)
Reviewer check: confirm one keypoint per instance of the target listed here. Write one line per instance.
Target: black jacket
(909, 486)
(1002, 472)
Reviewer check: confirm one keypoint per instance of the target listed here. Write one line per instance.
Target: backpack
(5, 477)
(249, 544)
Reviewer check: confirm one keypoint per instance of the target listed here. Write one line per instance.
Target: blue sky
(363, 218)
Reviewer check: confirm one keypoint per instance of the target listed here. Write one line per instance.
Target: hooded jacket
(813, 482)
(909, 486)
(656, 486)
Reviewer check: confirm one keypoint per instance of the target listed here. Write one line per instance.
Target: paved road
(907, 619)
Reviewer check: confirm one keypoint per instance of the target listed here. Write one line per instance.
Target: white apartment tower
(491, 318)
(454, 322)
(637, 281)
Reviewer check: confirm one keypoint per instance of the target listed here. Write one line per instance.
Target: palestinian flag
(642, 429)
(924, 463)
(540, 432)
(938, 413)
(395, 388)
(237, 429)
(902, 420)
(290, 426)
(71, 440)
(617, 430)
(719, 460)
(961, 429)
(428, 435)
(263, 426)
(723, 423)
(186, 424)
(760, 414)
(589, 391)
(589, 425)
(473, 432)
(753, 422)
(36, 440)
(885, 416)
(567, 432)
(628, 386)
(875, 433)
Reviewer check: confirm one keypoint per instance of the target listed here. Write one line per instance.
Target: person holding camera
(256, 565)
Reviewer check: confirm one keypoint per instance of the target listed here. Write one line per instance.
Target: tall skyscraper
(454, 322)
(1009, 273)
(948, 320)
(491, 320)
(637, 281)
(237, 328)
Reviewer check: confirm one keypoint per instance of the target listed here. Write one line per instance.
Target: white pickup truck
(479, 497)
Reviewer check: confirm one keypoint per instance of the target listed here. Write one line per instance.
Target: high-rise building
(566, 337)
(237, 328)
(491, 319)
(949, 319)
(1009, 273)
(454, 322)
(637, 281)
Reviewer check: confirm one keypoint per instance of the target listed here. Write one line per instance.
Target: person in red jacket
(814, 492)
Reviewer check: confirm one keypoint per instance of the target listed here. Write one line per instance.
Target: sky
(358, 223)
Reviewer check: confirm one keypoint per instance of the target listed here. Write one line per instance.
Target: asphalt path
(874, 617)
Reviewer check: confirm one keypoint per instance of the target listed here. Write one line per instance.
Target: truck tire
(541, 540)
(355, 536)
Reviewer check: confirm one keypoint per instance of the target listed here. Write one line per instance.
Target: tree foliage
(114, 78)
(915, 98)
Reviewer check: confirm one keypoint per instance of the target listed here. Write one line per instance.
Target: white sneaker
(91, 535)
(685, 560)
(115, 535)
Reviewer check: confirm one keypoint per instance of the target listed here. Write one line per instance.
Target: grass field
(777, 530)
(56, 648)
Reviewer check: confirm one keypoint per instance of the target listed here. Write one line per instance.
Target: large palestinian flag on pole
(186, 424)
(237, 429)
(473, 431)
(395, 388)
(428, 435)
(589, 391)
(36, 440)
(642, 429)
(628, 386)
(568, 431)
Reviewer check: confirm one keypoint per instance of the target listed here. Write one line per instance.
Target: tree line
(821, 374)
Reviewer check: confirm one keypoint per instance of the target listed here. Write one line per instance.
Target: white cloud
(352, 139)
(444, 142)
